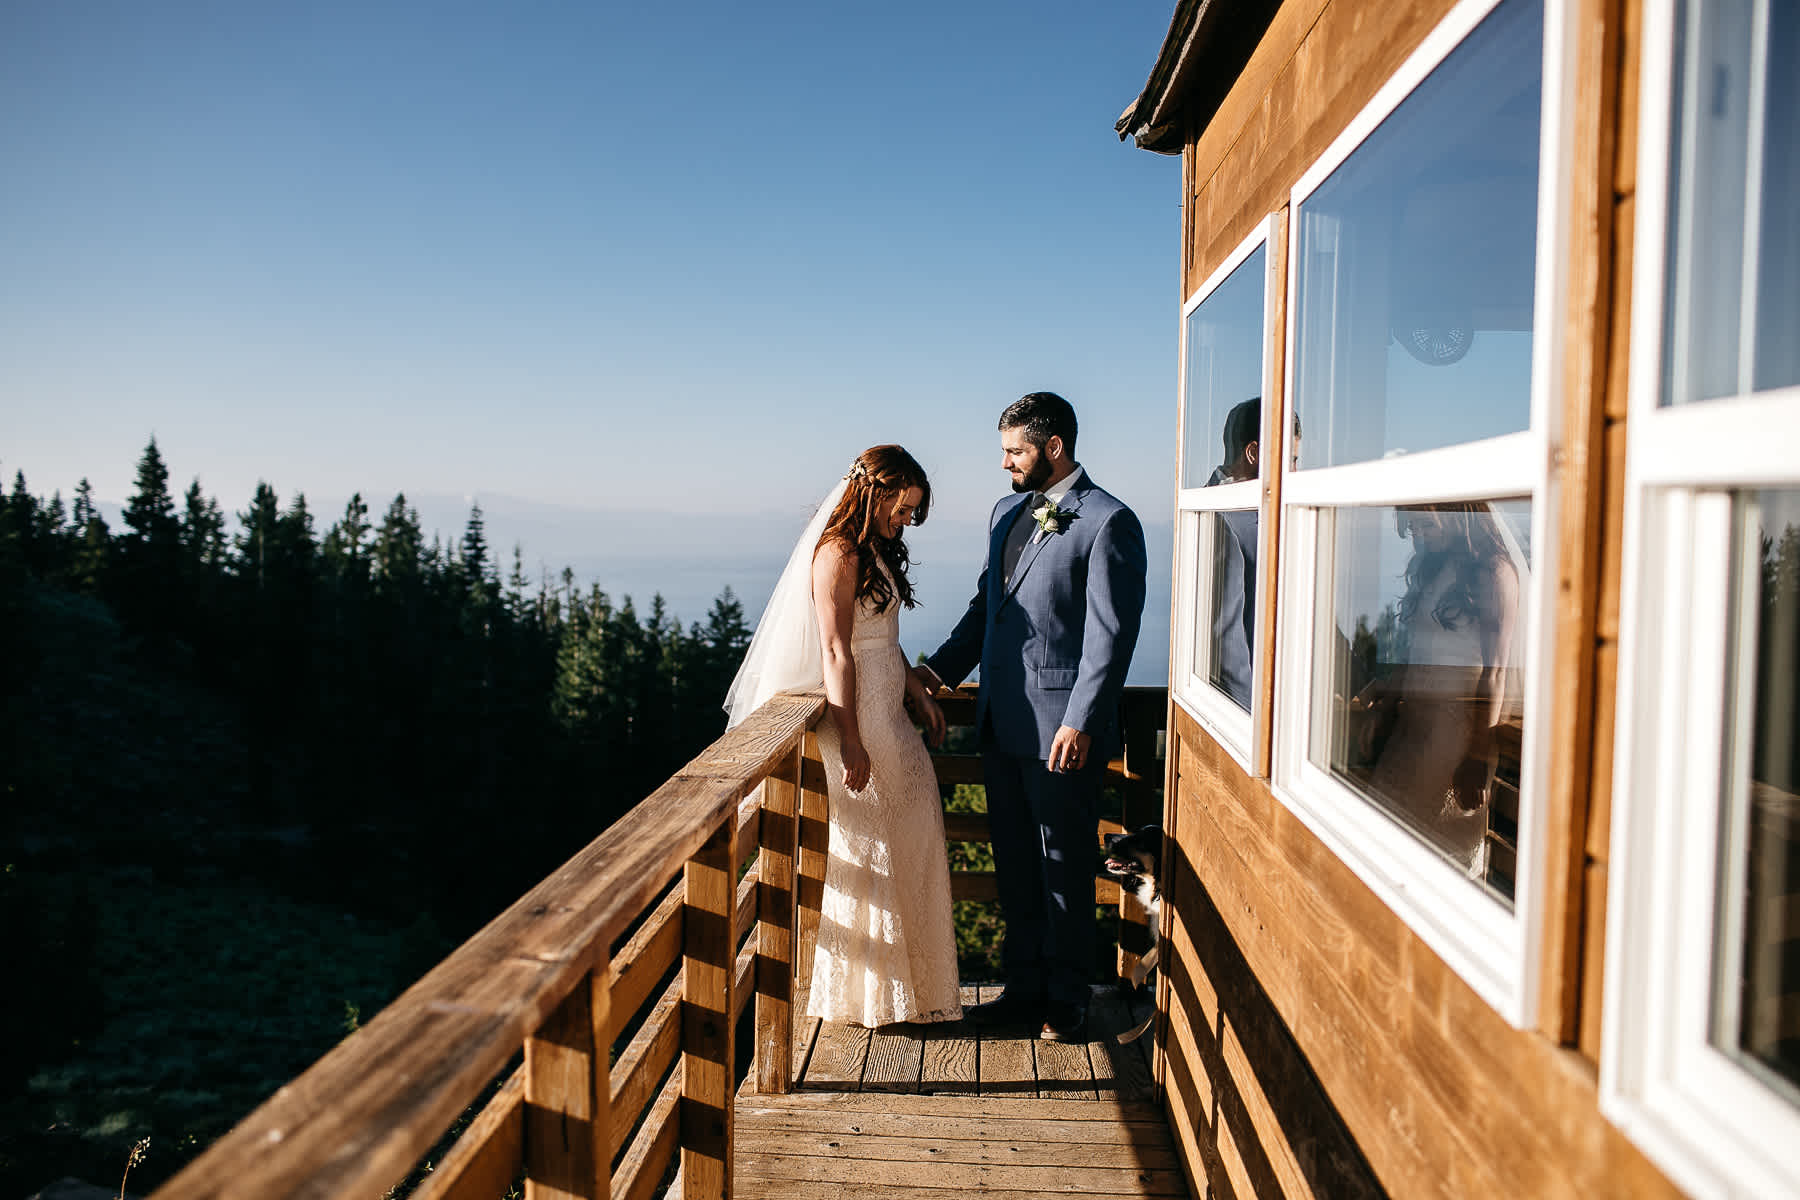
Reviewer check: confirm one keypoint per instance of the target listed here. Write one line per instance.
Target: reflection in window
(1224, 368)
(1734, 204)
(1416, 261)
(1757, 1009)
(1224, 657)
(1422, 641)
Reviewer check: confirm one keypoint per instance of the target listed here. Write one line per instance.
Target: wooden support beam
(647, 1158)
(640, 964)
(636, 1076)
(775, 912)
(486, 1159)
(568, 1098)
(707, 1028)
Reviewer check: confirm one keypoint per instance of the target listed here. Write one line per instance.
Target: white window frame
(1495, 950)
(1216, 712)
(1702, 1117)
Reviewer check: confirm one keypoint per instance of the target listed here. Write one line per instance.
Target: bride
(886, 951)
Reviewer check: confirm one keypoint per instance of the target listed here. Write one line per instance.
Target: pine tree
(346, 547)
(150, 515)
(518, 604)
(479, 575)
(203, 543)
(147, 586)
(90, 542)
(18, 524)
(398, 549)
(298, 561)
(52, 558)
(258, 543)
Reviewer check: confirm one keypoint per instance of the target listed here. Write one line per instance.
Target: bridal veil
(785, 653)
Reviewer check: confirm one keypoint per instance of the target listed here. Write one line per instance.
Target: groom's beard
(1035, 478)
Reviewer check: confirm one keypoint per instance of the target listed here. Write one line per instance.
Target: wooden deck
(951, 1110)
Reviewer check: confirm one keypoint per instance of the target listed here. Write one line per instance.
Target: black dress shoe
(1006, 1009)
(1065, 1025)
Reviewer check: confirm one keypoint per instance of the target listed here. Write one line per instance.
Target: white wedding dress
(886, 948)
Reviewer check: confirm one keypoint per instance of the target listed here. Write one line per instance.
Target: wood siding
(1364, 1030)
(1314, 1045)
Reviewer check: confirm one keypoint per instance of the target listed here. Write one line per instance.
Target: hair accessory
(856, 469)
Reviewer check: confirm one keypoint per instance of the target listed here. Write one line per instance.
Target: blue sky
(661, 257)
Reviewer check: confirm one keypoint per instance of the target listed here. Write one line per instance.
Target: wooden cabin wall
(1315, 1046)
(1436, 1092)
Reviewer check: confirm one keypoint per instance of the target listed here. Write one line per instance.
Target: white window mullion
(1743, 441)
(1511, 465)
(1223, 497)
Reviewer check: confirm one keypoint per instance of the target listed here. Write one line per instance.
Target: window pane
(1758, 1006)
(1419, 699)
(1225, 641)
(1734, 203)
(1224, 377)
(1416, 261)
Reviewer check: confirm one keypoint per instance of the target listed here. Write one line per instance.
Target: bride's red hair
(878, 475)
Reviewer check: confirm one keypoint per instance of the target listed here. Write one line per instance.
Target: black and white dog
(1132, 861)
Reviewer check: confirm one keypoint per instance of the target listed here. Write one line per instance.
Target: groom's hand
(1069, 749)
(928, 678)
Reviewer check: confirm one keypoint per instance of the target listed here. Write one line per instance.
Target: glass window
(1757, 973)
(1416, 258)
(1224, 656)
(1733, 288)
(1406, 656)
(1420, 707)
(1704, 882)
(1224, 377)
(1224, 343)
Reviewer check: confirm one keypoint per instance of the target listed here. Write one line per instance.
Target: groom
(1052, 626)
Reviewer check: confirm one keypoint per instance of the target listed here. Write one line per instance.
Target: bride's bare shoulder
(833, 558)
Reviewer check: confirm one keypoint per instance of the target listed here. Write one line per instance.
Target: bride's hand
(856, 766)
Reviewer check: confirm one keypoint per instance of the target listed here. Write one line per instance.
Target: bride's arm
(834, 599)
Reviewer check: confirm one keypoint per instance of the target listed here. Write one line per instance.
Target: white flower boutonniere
(1051, 519)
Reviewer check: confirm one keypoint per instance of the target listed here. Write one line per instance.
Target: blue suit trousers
(1044, 826)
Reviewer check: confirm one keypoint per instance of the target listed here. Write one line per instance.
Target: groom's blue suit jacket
(1053, 646)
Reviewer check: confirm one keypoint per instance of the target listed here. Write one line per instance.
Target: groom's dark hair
(1042, 416)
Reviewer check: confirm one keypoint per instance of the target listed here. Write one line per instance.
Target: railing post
(568, 1097)
(815, 844)
(1139, 723)
(775, 928)
(709, 960)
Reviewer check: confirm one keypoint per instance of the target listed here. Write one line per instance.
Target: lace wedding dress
(886, 949)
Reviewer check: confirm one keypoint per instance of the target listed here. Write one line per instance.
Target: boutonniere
(1050, 518)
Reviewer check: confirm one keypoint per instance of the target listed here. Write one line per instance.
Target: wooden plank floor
(952, 1110)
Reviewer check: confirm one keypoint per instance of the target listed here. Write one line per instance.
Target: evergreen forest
(259, 777)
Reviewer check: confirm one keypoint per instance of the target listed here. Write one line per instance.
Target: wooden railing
(1136, 777)
(599, 1014)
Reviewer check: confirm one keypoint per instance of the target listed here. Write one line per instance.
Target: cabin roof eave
(1158, 120)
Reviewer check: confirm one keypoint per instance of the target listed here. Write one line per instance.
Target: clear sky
(678, 257)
